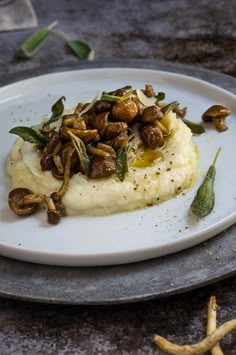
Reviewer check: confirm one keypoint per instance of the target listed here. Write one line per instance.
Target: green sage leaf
(196, 128)
(204, 200)
(57, 111)
(32, 44)
(81, 151)
(160, 96)
(113, 98)
(122, 162)
(81, 49)
(30, 135)
(166, 109)
(127, 88)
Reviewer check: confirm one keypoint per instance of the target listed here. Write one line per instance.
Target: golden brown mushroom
(152, 136)
(125, 110)
(217, 114)
(74, 121)
(54, 214)
(23, 202)
(151, 114)
(86, 135)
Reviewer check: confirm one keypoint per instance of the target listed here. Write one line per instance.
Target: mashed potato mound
(173, 170)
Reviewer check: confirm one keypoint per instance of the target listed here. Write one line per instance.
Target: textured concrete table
(202, 34)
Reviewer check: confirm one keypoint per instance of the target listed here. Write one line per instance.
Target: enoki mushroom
(214, 335)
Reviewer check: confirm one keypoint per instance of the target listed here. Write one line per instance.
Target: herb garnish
(32, 44)
(170, 107)
(122, 162)
(196, 128)
(81, 151)
(57, 111)
(111, 97)
(30, 135)
(204, 200)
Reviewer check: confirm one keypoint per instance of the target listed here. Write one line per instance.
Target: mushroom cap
(214, 112)
(124, 111)
(54, 216)
(16, 202)
(151, 114)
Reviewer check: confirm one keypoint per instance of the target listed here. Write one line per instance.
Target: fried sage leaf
(204, 200)
(170, 107)
(57, 110)
(32, 44)
(80, 48)
(81, 151)
(30, 135)
(195, 127)
(122, 162)
(124, 88)
(160, 96)
(111, 97)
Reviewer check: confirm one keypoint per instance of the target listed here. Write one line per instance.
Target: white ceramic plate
(125, 237)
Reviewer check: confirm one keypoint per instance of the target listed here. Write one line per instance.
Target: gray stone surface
(200, 33)
(115, 330)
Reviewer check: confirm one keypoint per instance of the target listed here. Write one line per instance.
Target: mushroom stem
(162, 127)
(32, 198)
(58, 163)
(219, 123)
(97, 151)
(58, 194)
(23, 202)
(54, 215)
(86, 135)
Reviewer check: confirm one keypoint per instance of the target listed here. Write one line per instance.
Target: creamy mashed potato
(174, 170)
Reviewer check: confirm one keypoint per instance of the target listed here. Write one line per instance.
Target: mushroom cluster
(97, 139)
(100, 131)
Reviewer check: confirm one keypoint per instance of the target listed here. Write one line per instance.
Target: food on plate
(217, 114)
(210, 343)
(125, 150)
(204, 200)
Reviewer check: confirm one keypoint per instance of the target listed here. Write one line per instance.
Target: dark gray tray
(180, 272)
